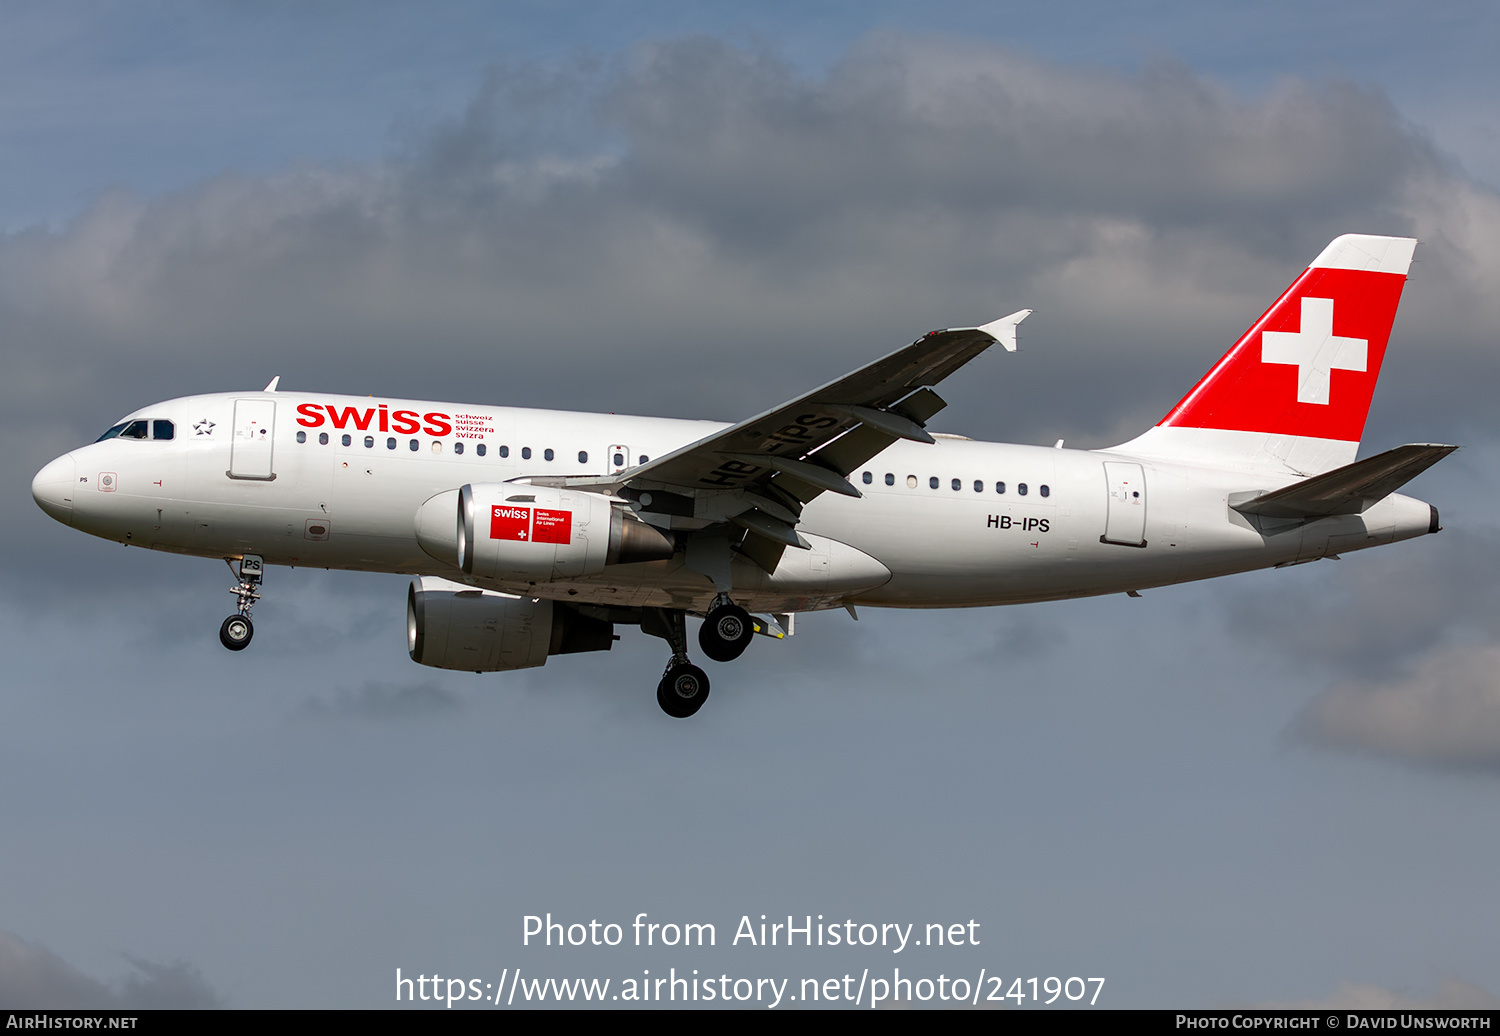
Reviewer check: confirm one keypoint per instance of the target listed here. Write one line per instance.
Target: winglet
(1004, 329)
(272, 386)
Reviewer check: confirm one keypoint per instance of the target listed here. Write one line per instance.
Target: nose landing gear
(236, 631)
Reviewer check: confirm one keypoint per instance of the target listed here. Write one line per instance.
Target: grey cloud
(942, 124)
(741, 196)
(1445, 714)
(33, 977)
(729, 207)
(1375, 613)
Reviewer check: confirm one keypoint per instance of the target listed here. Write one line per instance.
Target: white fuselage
(347, 496)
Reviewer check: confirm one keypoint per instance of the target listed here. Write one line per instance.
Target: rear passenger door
(1125, 522)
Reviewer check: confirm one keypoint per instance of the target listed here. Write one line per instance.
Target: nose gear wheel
(235, 632)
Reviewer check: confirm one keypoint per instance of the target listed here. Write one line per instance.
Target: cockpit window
(143, 429)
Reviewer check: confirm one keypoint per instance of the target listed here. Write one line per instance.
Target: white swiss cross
(1315, 350)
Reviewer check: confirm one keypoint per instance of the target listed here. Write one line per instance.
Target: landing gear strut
(236, 631)
(684, 687)
(726, 631)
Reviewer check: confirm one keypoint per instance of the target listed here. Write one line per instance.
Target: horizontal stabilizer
(1352, 489)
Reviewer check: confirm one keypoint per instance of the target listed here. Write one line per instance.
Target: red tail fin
(1306, 370)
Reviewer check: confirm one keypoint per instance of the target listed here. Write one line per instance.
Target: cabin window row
(957, 484)
(416, 444)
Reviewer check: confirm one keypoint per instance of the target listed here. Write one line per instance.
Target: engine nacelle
(453, 626)
(511, 531)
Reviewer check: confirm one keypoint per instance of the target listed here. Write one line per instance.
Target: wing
(759, 473)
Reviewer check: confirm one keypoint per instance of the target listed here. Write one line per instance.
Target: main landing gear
(726, 631)
(236, 631)
(725, 634)
(684, 687)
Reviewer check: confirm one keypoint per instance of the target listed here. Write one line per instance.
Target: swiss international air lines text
(697, 980)
(534, 524)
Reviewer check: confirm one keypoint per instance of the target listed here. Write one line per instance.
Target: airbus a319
(531, 533)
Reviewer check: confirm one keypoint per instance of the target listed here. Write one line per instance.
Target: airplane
(532, 533)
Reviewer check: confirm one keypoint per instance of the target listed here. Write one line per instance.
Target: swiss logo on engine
(552, 526)
(525, 523)
(510, 523)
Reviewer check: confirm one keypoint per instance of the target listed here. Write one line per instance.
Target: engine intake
(453, 626)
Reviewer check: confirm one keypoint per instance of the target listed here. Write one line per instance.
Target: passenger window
(957, 485)
(390, 444)
(933, 482)
(1021, 488)
(619, 460)
(890, 479)
(525, 452)
(479, 449)
(369, 442)
(1045, 491)
(504, 451)
(322, 438)
(547, 454)
(458, 447)
(347, 439)
(583, 456)
(437, 446)
(162, 430)
(1000, 488)
(644, 458)
(868, 478)
(134, 430)
(911, 482)
(978, 486)
(301, 436)
(414, 445)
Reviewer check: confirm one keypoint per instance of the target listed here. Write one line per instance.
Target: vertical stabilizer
(1293, 393)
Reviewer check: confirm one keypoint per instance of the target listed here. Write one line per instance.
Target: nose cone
(54, 486)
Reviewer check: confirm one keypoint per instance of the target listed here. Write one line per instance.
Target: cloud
(1345, 618)
(725, 206)
(33, 977)
(1445, 714)
(1452, 995)
(734, 204)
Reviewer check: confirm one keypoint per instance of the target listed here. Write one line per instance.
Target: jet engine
(513, 531)
(453, 626)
